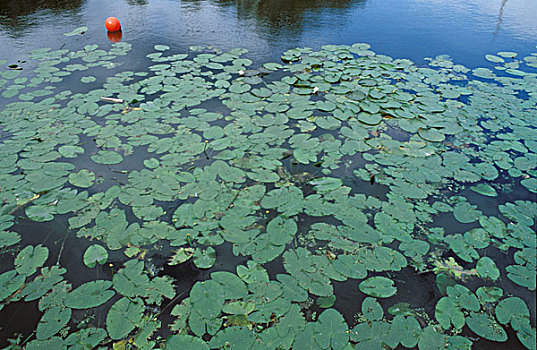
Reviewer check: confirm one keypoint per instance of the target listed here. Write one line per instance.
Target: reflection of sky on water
(466, 30)
(517, 17)
(413, 28)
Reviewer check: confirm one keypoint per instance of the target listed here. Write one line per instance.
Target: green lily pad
(123, 317)
(185, 341)
(527, 335)
(466, 213)
(208, 297)
(281, 231)
(161, 47)
(89, 337)
(489, 294)
(326, 302)
(371, 309)
(292, 291)
(486, 327)
(88, 79)
(54, 342)
(8, 238)
(239, 307)
(522, 275)
(341, 166)
(507, 54)
(30, 259)
(234, 287)
(431, 135)
(89, 295)
(484, 73)
(493, 226)
(494, 59)
(10, 282)
(252, 273)
(95, 254)
(486, 268)
(530, 184)
(400, 309)
(369, 119)
(485, 190)
(70, 151)
(379, 287)
(152, 163)
(43, 283)
(52, 322)
(463, 297)
(40, 213)
(431, 339)
(331, 330)
(77, 31)
(326, 184)
(513, 310)
(448, 313)
(182, 255)
(233, 337)
(107, 157)
(84, 178)
(204, 259)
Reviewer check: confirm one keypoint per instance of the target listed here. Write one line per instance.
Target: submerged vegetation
(290, 183)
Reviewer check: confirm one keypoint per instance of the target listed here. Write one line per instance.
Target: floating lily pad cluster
(340, 166)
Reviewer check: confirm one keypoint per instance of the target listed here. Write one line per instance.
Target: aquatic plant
(335, 167)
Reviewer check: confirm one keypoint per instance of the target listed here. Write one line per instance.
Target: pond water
(414, 29)
(368, 196)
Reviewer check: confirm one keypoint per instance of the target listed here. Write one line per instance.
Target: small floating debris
(111, 99)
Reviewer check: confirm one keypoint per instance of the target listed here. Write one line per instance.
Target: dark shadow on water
(17, 16)
(137, 2)
(20, 8)
(18, 318)
(281, 17)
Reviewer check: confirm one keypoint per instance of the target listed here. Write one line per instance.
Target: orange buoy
(112, 24)
(114, 37)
